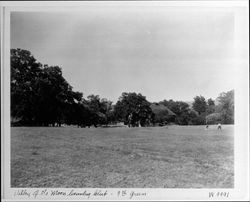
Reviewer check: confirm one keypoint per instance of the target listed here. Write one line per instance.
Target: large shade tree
(135, 106)
(25, 73)
(100, 110)
(39, 94)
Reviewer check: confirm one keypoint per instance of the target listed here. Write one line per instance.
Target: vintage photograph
(122, 98)
(125, 101)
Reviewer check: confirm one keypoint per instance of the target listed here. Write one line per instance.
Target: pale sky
(161, 54)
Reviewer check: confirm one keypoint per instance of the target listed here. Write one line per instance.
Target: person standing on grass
(219, 126)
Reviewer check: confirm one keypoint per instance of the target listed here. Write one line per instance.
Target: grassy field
(173, 157)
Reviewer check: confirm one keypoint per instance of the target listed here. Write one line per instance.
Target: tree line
(41, 96)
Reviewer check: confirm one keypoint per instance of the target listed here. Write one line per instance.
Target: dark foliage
(40, 96)
(200, 104)
(133, 109)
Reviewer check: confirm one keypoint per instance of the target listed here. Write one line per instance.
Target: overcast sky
(159, 53)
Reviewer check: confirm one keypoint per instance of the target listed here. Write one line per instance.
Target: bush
(214, 118)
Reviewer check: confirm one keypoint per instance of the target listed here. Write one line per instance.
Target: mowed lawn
(154, 157)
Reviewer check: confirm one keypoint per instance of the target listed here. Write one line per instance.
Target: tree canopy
(135, 105)
(41, 96)
(226, 107)
(200, 104)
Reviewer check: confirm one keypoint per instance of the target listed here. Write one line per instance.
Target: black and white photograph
(125, 96)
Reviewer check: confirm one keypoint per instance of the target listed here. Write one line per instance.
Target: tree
(226, 107)
(163, 114)
(210, 106)
(25, 71)
(194, 118)
(135, 105)
(210, 102)
(200, 104)
(181, 110)
(39, 94)
(54, 97)
(107, 110)
(100, 110)
(94, 106)
(214, 118)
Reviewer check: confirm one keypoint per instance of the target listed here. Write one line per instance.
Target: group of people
(218, 126)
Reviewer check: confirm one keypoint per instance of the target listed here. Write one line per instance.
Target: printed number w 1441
(218, 194)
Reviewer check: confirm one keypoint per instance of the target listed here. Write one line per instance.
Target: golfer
(219, 126)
